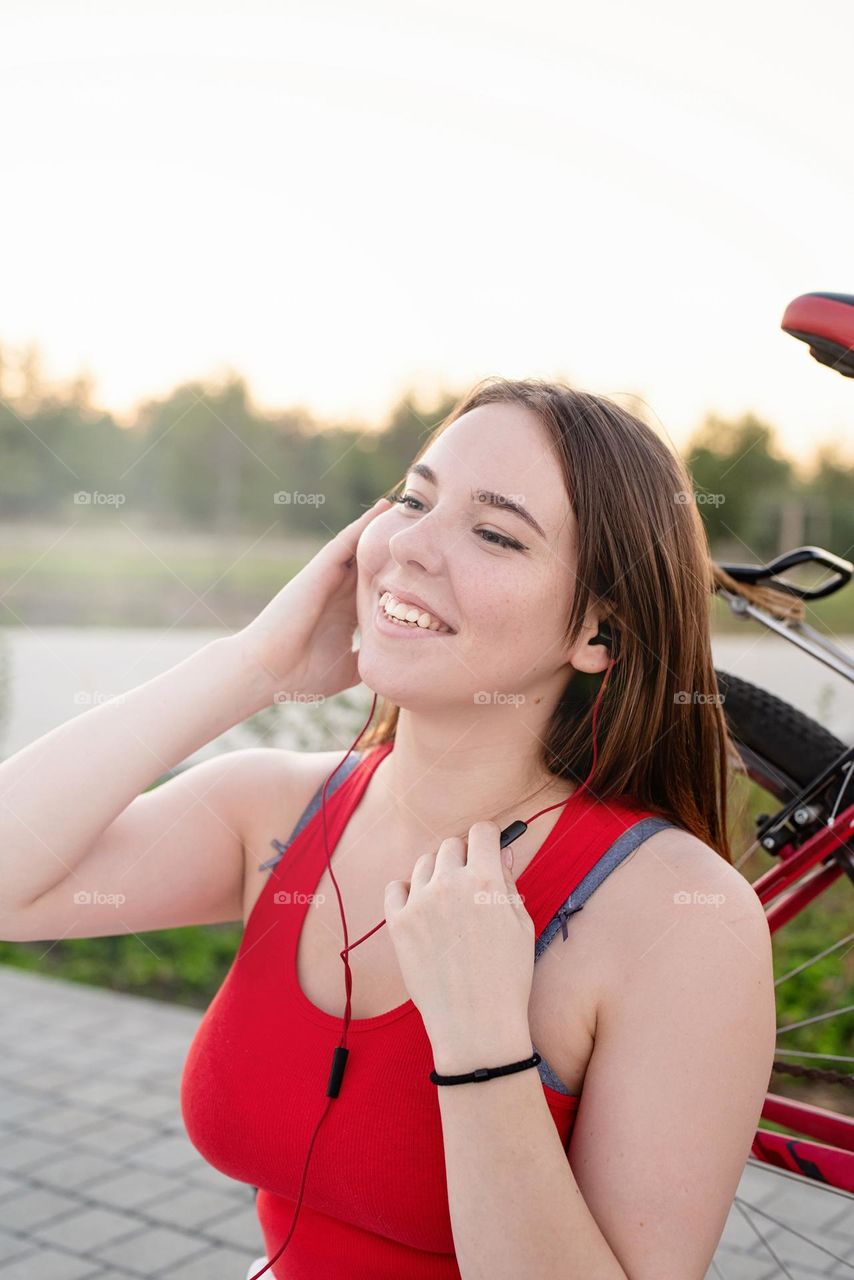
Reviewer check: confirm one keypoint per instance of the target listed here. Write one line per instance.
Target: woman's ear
(594, 648)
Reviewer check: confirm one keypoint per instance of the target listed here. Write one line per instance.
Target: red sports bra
(254, 1083)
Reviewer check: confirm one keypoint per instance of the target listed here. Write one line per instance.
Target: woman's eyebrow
(483, 496)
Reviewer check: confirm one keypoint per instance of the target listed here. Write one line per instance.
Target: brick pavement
(98, 1179)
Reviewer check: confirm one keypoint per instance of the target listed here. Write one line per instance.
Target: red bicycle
(798, 790)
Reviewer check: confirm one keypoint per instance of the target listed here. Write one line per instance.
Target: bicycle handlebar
(753, 573)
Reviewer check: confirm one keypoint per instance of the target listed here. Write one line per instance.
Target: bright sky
(344, 200)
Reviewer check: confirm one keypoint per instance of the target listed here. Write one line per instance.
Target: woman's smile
(403, 630)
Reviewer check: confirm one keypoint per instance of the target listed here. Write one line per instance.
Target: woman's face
(507, 602)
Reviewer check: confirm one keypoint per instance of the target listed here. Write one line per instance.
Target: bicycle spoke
(807, 963)
(740, 1203)
(848, 771)
(804, 1053)
(819, 1017)
(751, 849)
(740, 1206)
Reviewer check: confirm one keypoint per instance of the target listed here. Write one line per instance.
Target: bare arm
(60, 793)
(516, 1208)
(77, 795)
(671, 1098)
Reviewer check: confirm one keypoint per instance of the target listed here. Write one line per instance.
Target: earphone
(603, 636)
(508, 835)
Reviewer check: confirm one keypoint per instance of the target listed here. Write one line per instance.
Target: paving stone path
(98, 1178)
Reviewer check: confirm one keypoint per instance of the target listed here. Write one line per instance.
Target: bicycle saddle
(826, 322)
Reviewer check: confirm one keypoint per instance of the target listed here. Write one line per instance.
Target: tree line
(203, 457)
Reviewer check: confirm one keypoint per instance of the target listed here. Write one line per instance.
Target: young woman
(542, 538)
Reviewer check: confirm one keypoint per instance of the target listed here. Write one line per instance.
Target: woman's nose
(418, 540)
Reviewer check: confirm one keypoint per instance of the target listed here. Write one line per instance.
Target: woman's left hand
(463, 938)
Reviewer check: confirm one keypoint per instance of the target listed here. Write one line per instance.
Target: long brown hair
(644, 563)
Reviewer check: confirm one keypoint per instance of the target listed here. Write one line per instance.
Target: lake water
(50, 674)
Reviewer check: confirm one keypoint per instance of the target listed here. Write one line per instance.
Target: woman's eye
(487, 534)
(500, 539)
(404, 498)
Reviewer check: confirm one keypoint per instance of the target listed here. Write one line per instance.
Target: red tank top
(254, 1081)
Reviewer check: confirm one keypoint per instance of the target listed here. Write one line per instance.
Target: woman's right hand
(302, 640)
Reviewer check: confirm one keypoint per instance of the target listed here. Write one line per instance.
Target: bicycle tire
(773, 731)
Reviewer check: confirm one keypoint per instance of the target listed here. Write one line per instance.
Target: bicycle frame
(786, 889)
(801, 634)
(831, 1159)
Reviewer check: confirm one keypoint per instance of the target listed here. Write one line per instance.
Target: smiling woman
(540, 521)
(617, 539)
(548, 530)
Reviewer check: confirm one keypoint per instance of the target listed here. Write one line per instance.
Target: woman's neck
(426, 794)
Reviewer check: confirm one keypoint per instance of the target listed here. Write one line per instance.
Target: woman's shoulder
(672, 859)
(277, 786)
(674, 885)
(275, 764)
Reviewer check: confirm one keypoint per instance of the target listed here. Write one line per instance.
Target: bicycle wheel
(794, 1211)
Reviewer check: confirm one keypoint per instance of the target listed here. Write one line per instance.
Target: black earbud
(603, 636)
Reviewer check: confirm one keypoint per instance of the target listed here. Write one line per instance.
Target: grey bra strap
(312, 807)
(620, 849)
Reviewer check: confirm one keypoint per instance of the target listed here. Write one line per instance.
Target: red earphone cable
(340, 1053)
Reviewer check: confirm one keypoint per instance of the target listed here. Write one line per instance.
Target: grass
(180, 966)
(112, 565)
(113, 576)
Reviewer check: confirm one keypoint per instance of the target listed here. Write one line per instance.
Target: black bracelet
(486, 1073)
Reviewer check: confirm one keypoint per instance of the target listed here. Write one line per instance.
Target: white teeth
(409, 615)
